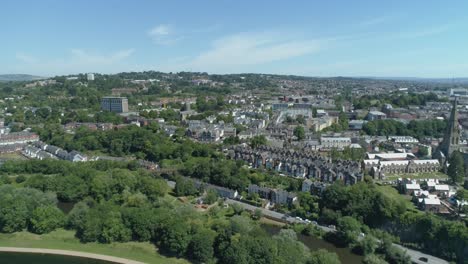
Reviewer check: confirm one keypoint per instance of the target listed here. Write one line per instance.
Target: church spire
(452, 136)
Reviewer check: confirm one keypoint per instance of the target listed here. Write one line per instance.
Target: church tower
(451, 139)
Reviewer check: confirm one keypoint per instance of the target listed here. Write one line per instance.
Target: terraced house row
(301, 164)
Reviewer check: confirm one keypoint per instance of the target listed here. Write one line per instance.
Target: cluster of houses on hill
(301, 164)
(209, 132)
(16, 141)
(428, 194)
(40, 150)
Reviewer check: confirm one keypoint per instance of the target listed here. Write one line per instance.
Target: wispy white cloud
(246, 49)
(164, 34)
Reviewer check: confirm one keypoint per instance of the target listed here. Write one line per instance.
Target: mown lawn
(65, 240)
(422, 175)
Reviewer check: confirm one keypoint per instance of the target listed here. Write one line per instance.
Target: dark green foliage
(322, 256)
(201, 246)
(365, 246)
(17, 206)
(396, 99)
(45, 219)
(258, 141)
(374, 259)
(456, 169)
(141, 221)
(174, 239)
(5, 179)
(103, 224)
(77, 216)
(348, 230)
(211, 196)
(299, 132)
(185, 187)
(20, 179)
(418, 129)
(362, 201)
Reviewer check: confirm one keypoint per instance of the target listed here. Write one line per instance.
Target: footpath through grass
(65, 240)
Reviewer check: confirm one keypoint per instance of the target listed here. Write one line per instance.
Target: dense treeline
(28, 208)
(418, 129)
(145, 143)
(119, 203)
(199, 161)
(101, 180)
(367, 204)
(395, 99)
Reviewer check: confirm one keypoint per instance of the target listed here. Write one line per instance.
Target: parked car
(423, 259)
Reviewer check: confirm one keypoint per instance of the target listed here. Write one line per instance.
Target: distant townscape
(361, 162)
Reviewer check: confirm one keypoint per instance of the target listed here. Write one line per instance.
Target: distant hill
(457, 80)
(18, 77)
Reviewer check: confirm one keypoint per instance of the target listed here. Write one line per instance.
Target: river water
(345, 254)
(32, 258)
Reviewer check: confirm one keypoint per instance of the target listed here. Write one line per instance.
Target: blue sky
(312, 38)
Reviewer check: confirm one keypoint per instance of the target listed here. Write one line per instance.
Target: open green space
(12, 156)
(65, 240)
(393, 194)
(422, 175)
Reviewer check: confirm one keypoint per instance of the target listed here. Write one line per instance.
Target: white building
(404, 139)
(376, 115)
(90, 76)
(335, 142)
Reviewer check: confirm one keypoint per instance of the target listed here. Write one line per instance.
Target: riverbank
(64, 240)
(69, 253)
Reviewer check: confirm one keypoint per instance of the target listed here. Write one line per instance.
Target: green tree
(343, 121)
(299, 132)
(348, 229)
(366, 245)
(20, 179)
(456, 168)
(153, 188)
(374, 259)
(45, 219)
(184, 187)
(211, 196)
(322, 256)
(175, 238)
(257, 141)
(77, 215)
(201, 245)
(13, 215)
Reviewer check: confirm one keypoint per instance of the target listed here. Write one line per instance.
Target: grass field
(422, 175)
(392, 193)
(65, 240)
(12, 156)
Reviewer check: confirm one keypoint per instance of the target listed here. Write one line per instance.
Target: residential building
(114, 104)
(335, 142)
(376, 115)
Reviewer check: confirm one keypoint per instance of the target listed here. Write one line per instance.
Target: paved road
(415, 255)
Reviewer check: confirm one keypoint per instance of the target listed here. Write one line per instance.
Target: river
(34, 258)
(345, 254)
